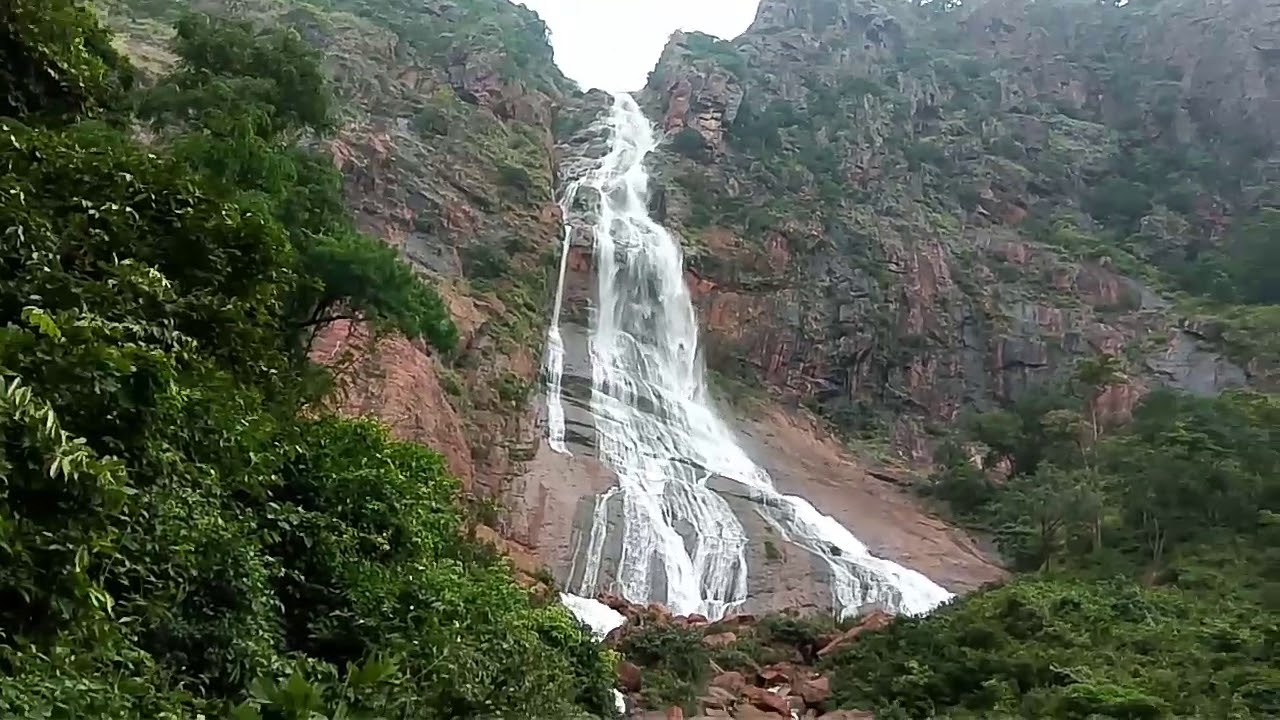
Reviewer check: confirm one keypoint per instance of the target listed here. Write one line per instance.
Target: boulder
(815, 691)
(767, 701)
(731, 681)
(719, 639)
(629, 677)
(718, 698)
(778, 674)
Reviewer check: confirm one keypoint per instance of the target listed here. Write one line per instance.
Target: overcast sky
(613, 44)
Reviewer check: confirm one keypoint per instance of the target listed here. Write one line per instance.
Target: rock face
(909, 212)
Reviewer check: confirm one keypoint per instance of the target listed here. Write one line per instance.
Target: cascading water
(657, 429)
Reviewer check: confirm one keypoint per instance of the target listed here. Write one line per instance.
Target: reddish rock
(778, 674)
(397, 382)
(875, 621)
(696, 620)
(613, 602)
(718, 698)
(719, 639)
(675, 713)
(816, 691)
(751, 712)
(615, 635)
(765, 700)
(629, 677)
(731, 681)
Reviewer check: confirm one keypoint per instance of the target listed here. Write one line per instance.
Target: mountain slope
(899, 213)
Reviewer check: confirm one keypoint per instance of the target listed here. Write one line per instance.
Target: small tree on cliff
(275, 83)
(1095, 375)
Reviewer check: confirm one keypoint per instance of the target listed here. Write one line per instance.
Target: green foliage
(1118, 202)
(250, 93)
(185, 532)
(1183, 497)
(513, 35)
(1060, 648)
(57, 63)
(720, 51)
(231, 72)
(690, 143)
(676, 663)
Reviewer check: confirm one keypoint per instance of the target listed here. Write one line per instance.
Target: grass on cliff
(185, 533)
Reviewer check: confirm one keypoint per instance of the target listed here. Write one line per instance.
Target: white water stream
(657, 428)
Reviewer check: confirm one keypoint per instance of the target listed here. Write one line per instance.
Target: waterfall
(554, 366)
(659, 432)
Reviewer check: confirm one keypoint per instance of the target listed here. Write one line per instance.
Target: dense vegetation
(184, 530)
(1148, 586)
(1153, 568)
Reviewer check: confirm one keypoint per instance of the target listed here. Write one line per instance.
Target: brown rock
(765, 700)
(778, 674)
(613, 602)
(718, 698)
(751, 712)
(629, 677)
(696, 620)
(396, 382)
(675, 713)
(731, 681)
(815, 691)
(719, 639)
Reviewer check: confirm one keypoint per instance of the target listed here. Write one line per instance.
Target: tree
(57, 63)
(183, 533)
(252, 93)
(1047, 508)
(1096, 374)
(231, 72)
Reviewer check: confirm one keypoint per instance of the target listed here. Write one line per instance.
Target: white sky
(613, 44)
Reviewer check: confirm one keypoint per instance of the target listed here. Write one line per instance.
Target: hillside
(993, 285)
(896, 214)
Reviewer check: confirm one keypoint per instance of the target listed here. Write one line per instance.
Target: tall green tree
(57, 63)
(176, 538)
(247, 95)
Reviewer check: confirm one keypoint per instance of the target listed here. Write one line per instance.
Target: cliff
(897, 212)
(892, 214)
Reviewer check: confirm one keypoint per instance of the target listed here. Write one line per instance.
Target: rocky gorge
(895, 359)
(879, 237)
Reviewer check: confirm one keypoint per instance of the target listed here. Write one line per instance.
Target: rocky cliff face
(891, 214)
(895, 213)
